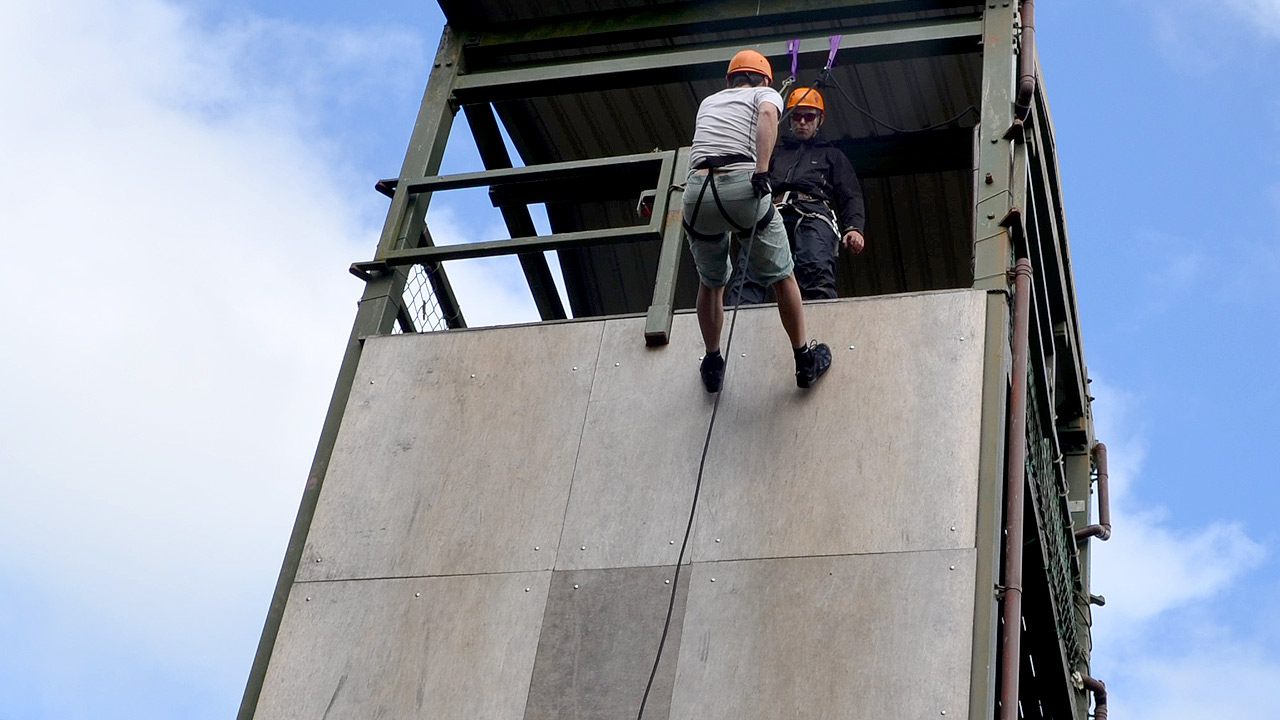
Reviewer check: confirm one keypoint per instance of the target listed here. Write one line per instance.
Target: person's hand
(854, 241)
(760, 185)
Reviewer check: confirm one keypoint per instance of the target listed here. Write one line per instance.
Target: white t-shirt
(726, 124)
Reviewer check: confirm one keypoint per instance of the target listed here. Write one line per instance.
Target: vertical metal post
(376, 315)
(992, 253)
(406, 219)
(657, 326)
(1015, 498)
(995, 391)
(493, 153)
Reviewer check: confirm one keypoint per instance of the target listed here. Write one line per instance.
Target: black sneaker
(712, 372)
(811, 365)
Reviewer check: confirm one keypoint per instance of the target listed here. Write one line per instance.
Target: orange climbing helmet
(750, 61)
(806, 97)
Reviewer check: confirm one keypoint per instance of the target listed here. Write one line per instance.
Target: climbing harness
(712, 165)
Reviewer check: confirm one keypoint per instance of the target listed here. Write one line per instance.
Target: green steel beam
(675, 20)
(379, 307)
(994, 176)
(997, 365)
(993, 180)
(493, 153)
(558, 241)
(661, 66)
(657, 327)
(597, 168)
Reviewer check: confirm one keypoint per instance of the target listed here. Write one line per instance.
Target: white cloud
(1162, 642)
(175, 304)
(1262, 15)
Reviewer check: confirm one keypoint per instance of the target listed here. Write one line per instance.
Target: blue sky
(174, 317)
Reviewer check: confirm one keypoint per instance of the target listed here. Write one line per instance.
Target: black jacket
(818, 168)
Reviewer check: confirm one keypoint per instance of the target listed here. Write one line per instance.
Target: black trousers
(813, 247)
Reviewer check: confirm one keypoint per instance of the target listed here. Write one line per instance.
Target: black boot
(712, 371)
(811, 362)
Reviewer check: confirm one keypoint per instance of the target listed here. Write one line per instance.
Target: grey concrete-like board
(455, 454)
(638, 461)
(600, 636)
(444, 648)
(859, 636)
(880, 456)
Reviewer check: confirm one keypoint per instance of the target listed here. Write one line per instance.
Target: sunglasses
(805, 117)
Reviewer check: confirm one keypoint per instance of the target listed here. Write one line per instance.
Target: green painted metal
(989, 536)
(664, 65)
(667, 21)
(657, 329)
(549, 171)
(493, 153)
(556, 177)
(494, 248)
(992, 249)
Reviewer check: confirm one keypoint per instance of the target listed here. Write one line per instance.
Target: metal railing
(656, 176)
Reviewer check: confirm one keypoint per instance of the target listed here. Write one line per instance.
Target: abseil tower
(493, 521)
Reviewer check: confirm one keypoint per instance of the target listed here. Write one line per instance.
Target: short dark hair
(745, 78)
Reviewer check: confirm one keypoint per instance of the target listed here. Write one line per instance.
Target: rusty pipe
(1102, 530)
(1026, 61)
(1099, 690)
(1015, 492)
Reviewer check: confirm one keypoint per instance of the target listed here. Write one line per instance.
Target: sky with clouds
(184, 184)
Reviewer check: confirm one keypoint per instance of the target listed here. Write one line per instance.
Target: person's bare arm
(766, 135)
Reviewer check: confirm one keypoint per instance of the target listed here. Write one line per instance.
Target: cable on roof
(825, 78)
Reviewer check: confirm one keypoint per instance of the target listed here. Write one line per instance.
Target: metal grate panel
(1049, 491)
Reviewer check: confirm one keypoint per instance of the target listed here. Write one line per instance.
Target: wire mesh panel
(421, 311)
(1049, 488)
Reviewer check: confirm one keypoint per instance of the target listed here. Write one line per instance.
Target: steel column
(406, 219)
(993, 179)
(995, 390)
(657, 329)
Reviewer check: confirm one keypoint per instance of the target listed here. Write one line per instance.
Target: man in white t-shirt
(728, 192)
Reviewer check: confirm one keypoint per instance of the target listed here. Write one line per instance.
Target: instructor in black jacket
(819, 198)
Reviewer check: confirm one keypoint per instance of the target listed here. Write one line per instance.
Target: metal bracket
(370, 270)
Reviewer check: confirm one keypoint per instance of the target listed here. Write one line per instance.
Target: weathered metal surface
(881, 456)
(455, 454)
(600, 636)
(455, 647)
(867, 636)
(638, 461)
